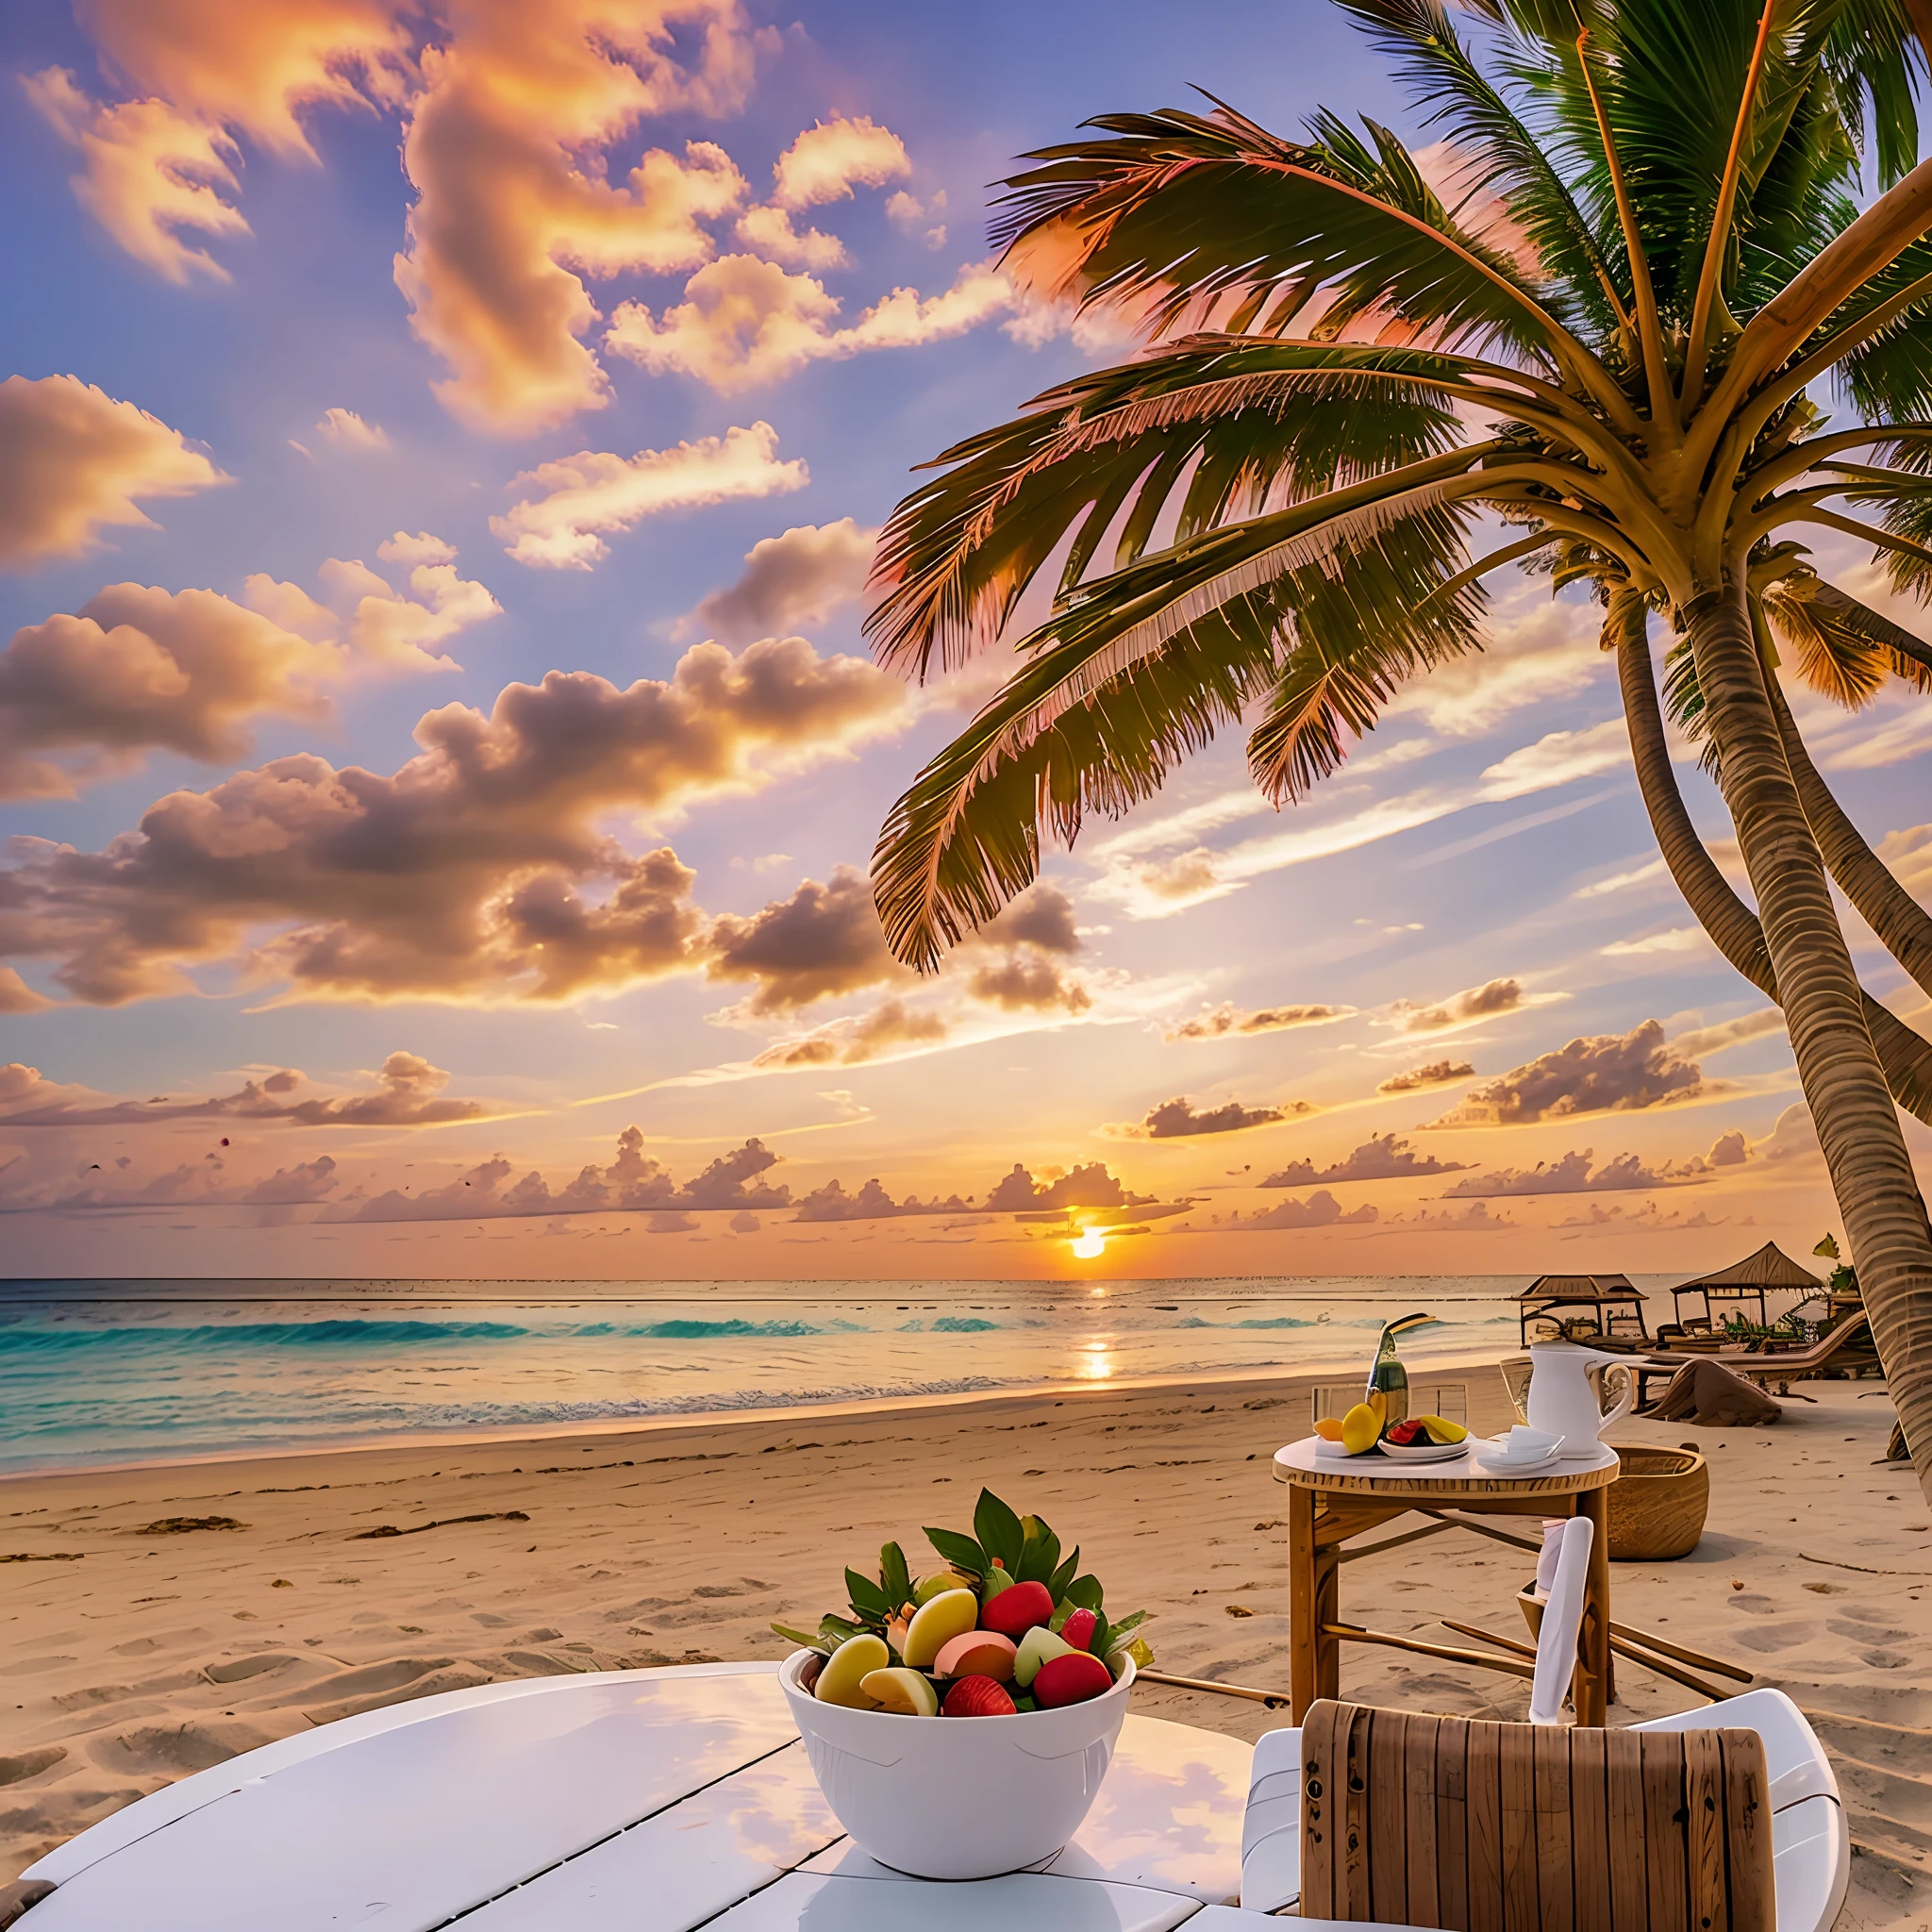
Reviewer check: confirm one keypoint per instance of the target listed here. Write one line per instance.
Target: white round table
(651, 1800)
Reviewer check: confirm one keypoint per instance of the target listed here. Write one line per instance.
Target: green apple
(1037, 1647)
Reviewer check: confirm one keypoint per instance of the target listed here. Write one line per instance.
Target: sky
(443, 449)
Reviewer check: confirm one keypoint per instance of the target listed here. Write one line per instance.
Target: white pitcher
(1562, 1401)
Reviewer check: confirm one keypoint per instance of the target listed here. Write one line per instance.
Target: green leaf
(1102, 1640)
(868, 1599)
(1130, 1622)
(895, 1578)
(835, 1630)
(997, 1526)
(820, 1642)
(1085, 1592)
(961, 1552)
(1064, 1574)
(1039, 1557)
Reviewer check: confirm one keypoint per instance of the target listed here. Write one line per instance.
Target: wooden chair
(1495, 1827)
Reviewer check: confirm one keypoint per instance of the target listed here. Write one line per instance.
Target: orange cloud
(823, 164)
(406, 1093)
(76, 459)
(513, 211)
(744, 323)
(1600, 1073)
(202, 70)
(478, 871)
(794, 582)
(135, 669)
(825, 161)
(823, 940)
(575, 499)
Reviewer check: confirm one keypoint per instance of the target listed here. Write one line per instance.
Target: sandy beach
(158, 1621)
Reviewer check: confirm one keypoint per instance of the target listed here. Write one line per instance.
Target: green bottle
(1388, 1390)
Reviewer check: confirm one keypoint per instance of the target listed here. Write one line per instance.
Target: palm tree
(1580, 335)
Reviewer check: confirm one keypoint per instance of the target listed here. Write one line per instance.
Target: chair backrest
(1555, 1637)
(1492, 1828)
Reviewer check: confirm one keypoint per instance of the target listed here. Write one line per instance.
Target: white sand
(157, 1653)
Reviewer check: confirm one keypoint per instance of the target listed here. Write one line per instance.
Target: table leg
(1591, 1687)
(1327, 1610)
(1301, 1602)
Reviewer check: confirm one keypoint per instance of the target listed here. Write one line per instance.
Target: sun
(1090, 1244)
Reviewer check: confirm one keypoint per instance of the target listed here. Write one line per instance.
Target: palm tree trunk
(1838, 1068)
(1898, 919)
(1906, 1058)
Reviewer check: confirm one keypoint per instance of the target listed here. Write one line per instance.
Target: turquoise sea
(95, 1372)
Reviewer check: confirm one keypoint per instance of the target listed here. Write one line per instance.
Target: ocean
(100, 1373)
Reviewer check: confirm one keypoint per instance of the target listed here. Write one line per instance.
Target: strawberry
(1079, 1629)
(977, 1697)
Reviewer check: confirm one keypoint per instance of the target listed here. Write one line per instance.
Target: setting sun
(1090, 1244)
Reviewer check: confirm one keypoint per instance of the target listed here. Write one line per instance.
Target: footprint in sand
(174, 1750)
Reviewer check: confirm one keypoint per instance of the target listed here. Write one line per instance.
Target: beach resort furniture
(1746, 1290)
(1845, 1348)
(1582, 1307)
(1378, 1814)
(1467, 1825)
(627, 1801)
(1331, 1500)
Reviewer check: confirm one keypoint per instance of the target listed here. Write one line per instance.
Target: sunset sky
(443, 446)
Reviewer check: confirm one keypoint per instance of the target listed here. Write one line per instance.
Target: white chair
(1272, 1828)
(1810, 1843)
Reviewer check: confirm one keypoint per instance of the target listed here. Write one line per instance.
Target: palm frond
(1140, 672)
(1177, 211)
(1225, 434)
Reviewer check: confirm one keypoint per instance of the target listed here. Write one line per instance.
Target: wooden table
(1331, 1499)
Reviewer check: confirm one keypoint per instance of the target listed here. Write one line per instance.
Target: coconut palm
(1585, 332)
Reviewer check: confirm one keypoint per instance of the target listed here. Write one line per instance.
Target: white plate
(1423, 1452)
(1501, 1465)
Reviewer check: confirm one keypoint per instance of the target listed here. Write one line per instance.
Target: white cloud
(1534, 650)
(744, 323)
(1678, 940)
(1558, 758)
(1699, 1040)
(1622, 881)
(347, 430)
(398, 631)
(769, 231)
(569, 502)
(420, 548)
(825, 161)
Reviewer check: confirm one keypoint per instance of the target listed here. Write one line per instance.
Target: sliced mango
(1361, 1429)
(934, 1624)
(904, 1692)
(843, 1679)
(1329, 1429)
(1444, 1431)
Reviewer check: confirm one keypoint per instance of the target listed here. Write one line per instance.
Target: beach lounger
(1847, 1346)
(1809, 1851)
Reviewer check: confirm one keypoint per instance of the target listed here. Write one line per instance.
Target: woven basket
(1657, 1503)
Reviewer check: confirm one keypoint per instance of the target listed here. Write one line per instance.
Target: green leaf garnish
(998, 1529)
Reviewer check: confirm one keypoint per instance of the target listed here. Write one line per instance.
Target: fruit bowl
(956, 1799)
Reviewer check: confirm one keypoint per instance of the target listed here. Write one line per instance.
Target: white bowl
(956, 1797)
